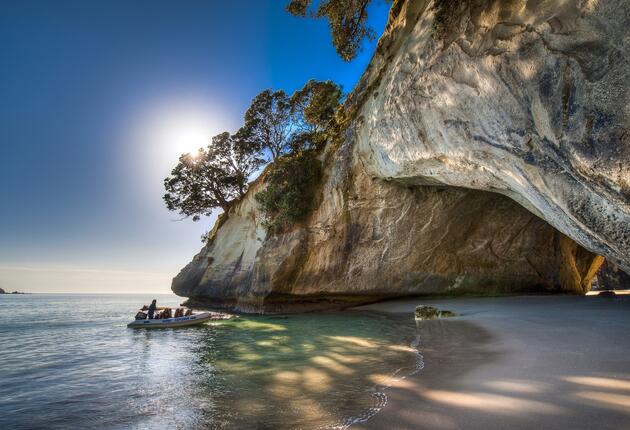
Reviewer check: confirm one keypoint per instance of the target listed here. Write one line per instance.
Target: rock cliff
(487, 151)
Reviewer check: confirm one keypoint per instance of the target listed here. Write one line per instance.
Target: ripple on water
(84, 368)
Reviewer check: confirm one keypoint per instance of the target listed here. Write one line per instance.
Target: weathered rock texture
(610, 277)
(525, 98)
(459, 146)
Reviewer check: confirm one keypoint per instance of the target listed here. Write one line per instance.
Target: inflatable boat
(173, 322)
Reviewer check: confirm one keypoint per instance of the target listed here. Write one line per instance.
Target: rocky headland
(6, 292)
(485, 151)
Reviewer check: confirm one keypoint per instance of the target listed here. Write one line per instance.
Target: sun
(168, 128)
(186, 136)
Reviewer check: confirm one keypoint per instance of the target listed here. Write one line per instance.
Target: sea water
(69, 361)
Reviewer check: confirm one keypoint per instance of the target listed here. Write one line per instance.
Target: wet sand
(554, 362)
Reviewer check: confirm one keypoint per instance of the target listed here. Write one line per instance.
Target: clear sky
(98, 100)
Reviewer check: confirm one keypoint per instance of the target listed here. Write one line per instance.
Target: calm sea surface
(70, 362)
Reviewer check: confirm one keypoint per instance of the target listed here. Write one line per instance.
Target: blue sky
(100, 97)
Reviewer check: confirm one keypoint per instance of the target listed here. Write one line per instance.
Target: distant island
(15, 292)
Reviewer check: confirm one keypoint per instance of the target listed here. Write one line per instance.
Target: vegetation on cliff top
(281, 130)
(289, 195)
(291, 180)
(347, 20)
(286, 132)
(213, 177)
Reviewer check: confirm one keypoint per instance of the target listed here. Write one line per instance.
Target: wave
(379, 395)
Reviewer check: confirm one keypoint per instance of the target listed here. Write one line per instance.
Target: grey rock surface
(488, 155)
(525, 98)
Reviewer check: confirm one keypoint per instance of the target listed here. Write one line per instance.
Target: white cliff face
(456, 152)
(229, 255)
(525, 98)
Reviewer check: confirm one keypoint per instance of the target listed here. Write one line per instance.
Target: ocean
(70, 362)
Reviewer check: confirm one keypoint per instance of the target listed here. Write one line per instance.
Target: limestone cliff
(487, 151)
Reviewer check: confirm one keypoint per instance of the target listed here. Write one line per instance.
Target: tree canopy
(315, 104)
(290, 189)
(281, 124)
(347, 20)
(278, 129)
(236, 156)
(213, 177)
(268, 122)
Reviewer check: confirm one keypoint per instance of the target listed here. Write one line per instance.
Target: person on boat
(152, 307)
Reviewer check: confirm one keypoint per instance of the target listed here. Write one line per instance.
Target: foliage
(307, 141)
(285, 130)
(235, 155)
(315, 104)
(313, 107)
(268, 122)
(212, 178)
(292, 178)
(279, 124)
(289, 195)
(347, 20)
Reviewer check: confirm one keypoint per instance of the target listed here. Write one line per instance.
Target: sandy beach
(553, 362)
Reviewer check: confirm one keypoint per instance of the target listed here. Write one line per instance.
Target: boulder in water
(431, 313)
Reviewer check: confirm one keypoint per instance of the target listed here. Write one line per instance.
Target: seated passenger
(188, 312)
(167, 313)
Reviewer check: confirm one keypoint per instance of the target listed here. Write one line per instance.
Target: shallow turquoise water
(68, 361)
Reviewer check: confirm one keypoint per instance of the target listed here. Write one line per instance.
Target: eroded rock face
(525, 98)
(458, 152)
(370, 239)
(610, 277)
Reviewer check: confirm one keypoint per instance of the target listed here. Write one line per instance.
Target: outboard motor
(141, 316)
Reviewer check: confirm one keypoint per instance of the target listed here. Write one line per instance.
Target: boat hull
(172, 322)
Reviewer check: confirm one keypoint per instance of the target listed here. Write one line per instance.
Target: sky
(99, 98)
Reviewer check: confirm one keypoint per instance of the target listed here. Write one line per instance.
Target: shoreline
(516, 362)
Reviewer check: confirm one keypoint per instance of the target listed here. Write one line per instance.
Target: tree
(347, 20)
(268, 123)
(292, 179)
(279, 124)
(212, 178)
(314, 105)
(285, 128)
(290, 191)
(236, 156)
